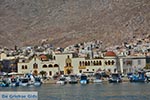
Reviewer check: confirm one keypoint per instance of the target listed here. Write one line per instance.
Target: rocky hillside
(65, 22)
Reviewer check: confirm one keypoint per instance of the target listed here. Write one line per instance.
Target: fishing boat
(3, 83)
(24, 82)
(138, 77)
(147, 76)
(84, 79)
(37, 81)
(97, 78)
(73, 79)
(61, 80)
(115, 78)
(14, 82)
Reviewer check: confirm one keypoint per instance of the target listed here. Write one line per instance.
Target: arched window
(80, 63)
(35, 66)
(50, 73)
(50, 65)
(23, 67)
(54, 58)
(88, 63)
(44, 66)
(94, 62)
(97, 63)
(26, 67)
(109, 62)
(56, 65)
(83, 63)
(105, 62)
(100, 63)
(112, 62)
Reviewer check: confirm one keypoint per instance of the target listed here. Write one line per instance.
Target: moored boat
(115, 78)
(97, 78)
(73, 79)
(3, 84)
(139, 77)
(84, 79)
(61, 80)
(24, 82)
(14, 82)
(37, 82)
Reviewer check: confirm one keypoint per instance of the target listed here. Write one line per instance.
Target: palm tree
(43, 73)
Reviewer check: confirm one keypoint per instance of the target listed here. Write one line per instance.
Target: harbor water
(107, 91)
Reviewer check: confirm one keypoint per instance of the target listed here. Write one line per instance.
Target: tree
(43, 73)
(147, 66)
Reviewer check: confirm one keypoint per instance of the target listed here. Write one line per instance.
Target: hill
(65, 22)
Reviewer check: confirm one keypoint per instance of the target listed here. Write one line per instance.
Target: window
(26, 67)
(35, 66)
(23, 67)
(100, 63)
(97, 63)
(80, 63)
(94, 63)
(108, 62)
(50, 73)
(80, 71)
(88, 63)
(56, 65)
(112, 62)
(44, 66)
(105, 62)
(50, 65)
(54, 58)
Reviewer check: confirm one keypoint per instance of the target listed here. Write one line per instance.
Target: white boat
(24, 82)
(61, 80)
(97, 81)
(14, 82)
(97, 78)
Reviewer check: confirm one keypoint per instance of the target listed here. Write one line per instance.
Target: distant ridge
(65, 22)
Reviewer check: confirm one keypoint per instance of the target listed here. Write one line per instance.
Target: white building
(65, 63)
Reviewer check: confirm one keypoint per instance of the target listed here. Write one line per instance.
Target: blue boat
(115, 78)
(4, 83)
(14, 82)
(83, 79)
(140, 77)
(37, 81)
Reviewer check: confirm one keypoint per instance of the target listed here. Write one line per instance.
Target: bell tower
(68, 67)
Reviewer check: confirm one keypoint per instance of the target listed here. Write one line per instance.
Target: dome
(110, 53)
(43, 57)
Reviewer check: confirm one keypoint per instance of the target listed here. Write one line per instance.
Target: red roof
(43, 57)
(110, 53)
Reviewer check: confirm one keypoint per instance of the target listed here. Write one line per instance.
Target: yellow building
(67, 64)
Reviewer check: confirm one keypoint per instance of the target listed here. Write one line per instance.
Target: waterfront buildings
(84, 58)
(67, 64)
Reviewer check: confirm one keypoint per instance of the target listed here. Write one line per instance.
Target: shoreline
(103, 81)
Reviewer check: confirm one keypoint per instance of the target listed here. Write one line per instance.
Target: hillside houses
(88, 58)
